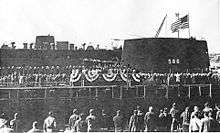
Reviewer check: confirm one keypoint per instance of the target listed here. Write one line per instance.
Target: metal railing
(109, 91)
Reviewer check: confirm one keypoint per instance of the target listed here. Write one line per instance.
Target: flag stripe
(181, 23)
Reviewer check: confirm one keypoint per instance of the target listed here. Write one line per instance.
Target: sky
(99, 21)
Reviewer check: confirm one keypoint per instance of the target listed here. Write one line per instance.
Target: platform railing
(109, 91)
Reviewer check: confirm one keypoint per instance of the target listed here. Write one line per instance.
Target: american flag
(181, 23)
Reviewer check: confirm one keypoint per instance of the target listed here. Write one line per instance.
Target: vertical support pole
(200, 92)
(45, 93)
(113, 92)
(167, 92)
(121, 92)
(96, 92)
(189, 92)
(9, 94)
(210, 90)
(77, 93)
(178, 90)
(90, 92)
(145, 91)
(136, 91)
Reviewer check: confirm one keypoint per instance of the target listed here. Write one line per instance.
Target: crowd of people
(166, 120)
(57, 75)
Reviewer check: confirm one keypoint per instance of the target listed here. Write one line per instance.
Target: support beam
(189, 92)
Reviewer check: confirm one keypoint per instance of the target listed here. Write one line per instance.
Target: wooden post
(113, 92)
(167, 92)
(178, 90)
(45, 93)
(77, 94)
(136, 91)
(189, 91)
(90, 92)
(144, 92)
(210, 90)
(121, 92)
(200, 93)
(96, 92)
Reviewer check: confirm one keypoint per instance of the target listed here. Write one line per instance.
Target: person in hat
(81, 124)
(207, 108)
(185, 119)
(174, 112)
(34, 128)
(165, 121)
(150, 120)
(140, 124)
(133, 122)
(195, 123)
(92, 121)
(49, 123)
(73, 118)
(118, 122)
(195, 110)
(15, 124)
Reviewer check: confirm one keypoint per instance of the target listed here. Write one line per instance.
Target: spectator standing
(133, 122)
(73, 118)
(34, 128)
(207, 108)
(16, 123)
(186, 119)
(195, 110)
(118, 122)
(174, 112)
(165, 121)
(81, 124)
(195, 123)
(140, 124)
(150, 120)
(49, 125)
(92, 121)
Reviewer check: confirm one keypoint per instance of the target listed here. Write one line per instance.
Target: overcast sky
(99, 21)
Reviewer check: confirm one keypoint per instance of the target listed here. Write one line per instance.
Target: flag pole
(189, 26)
(178, 17)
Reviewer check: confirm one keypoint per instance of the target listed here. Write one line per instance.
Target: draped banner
(136, 77)
(92, 75)
(110, 76)
(75, 75)
(124, 75)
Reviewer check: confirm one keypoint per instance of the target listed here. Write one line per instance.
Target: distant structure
(72, 46)
(25, 45)
(4, 46)
(166, 54)
(90, 48)
(44, 42)
(62, 45)
(13, 45)
(31, 45)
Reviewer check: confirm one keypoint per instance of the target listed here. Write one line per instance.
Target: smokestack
(71, 46)
(31, 45)
(25, 45)
(13, 45)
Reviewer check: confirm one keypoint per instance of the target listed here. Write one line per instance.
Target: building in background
(44, 42)
(62, 45)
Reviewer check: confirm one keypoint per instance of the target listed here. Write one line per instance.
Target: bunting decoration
(75, 75)
(92, 75)
(110, 76)
(124, 75)
(136, 77)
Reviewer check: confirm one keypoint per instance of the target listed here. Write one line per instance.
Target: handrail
(80, 87)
